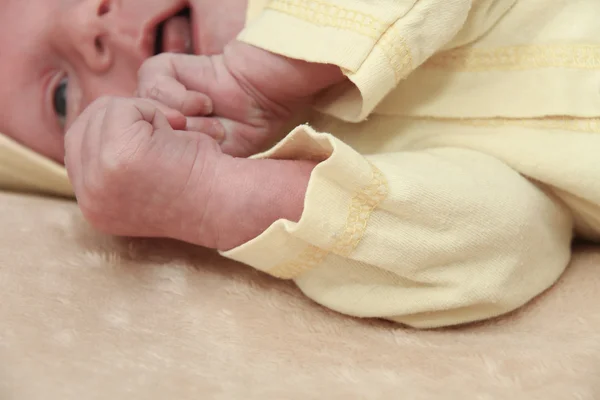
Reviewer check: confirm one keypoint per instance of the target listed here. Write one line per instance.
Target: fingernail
(220, 129)
(208, 106)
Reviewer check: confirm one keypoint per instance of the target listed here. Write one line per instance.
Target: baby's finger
(124, 113)
(176, 119)
(235, 138)
(210, 126)
(176, 96)
(192, 71)
(197, 136)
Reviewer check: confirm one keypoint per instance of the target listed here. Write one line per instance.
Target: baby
(449, 160)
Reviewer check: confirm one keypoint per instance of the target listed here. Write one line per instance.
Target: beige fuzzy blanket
(85, 316)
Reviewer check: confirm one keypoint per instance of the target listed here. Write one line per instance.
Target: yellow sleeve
(428, 238)
(376, 43)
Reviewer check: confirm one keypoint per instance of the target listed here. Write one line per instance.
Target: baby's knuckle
(155, 91)
(160, 87)
(103, 101)
(150, 65)
(114, 166)
(163, 80)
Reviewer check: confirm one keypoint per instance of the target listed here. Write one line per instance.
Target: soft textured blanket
(86, 316)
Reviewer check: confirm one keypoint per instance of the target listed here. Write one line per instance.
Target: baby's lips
(177, 36)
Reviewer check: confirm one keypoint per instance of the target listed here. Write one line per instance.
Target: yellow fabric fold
(426, 238)
(376, 45)
(24, 170)
(484, 132)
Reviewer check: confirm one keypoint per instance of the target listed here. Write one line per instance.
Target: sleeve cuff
(376, 45)
(292, 36)
(325, 36)
(343, 191)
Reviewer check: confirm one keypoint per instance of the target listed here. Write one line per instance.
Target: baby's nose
(88, 25)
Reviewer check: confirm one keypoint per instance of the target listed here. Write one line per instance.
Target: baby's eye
(60, 100)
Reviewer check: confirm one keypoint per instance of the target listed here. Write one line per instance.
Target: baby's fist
(134, 175)
(243, 98)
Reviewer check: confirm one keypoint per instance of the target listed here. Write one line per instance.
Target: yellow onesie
(456, 163)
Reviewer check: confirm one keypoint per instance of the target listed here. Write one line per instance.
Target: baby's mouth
(174, 34)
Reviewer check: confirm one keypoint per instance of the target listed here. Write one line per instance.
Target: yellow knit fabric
(24, 170)
(456, 163)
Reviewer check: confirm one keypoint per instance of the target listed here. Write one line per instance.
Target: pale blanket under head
(85, 316)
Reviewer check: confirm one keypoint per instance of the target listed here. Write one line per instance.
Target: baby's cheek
(51, 146)
(59, 156)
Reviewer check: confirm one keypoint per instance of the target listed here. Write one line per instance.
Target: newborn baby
(449, 159)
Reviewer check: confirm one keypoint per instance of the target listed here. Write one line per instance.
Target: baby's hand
(134, 175)
(253, 92)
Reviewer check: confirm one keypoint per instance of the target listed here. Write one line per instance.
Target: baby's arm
(135, 175)
(427, 238)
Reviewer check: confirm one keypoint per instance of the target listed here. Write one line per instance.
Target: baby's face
(57, 56)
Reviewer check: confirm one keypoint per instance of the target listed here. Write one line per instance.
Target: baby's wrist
(280, 78)
(251, 194)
